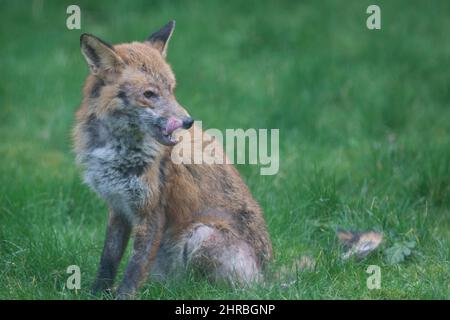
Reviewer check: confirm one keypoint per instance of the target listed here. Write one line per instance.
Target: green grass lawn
(364, 119)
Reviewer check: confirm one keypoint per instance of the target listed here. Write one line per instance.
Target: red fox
(182, 216)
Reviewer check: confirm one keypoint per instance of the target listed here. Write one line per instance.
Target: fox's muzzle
(187, 122)
(175, 123)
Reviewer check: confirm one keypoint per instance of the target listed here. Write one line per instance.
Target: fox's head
(133, 86)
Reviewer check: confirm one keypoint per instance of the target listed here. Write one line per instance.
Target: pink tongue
(172, 125)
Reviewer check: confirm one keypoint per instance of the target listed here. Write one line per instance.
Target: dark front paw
(125, 292)
(102, 286)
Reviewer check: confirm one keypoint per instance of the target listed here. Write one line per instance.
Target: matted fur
(200, 216)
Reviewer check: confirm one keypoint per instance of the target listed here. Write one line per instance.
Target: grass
(364, 136)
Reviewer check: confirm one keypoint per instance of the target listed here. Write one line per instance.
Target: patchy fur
(200, 216)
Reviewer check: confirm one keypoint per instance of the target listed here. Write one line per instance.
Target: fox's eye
(149, 94)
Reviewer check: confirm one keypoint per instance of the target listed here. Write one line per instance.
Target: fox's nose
(187, 123)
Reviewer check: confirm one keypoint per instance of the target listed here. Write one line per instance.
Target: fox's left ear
(160, 39)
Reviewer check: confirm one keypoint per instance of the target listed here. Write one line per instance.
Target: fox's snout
(175, 123)
(166, 126)
(187, 123)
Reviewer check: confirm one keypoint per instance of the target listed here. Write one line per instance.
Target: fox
(180, 217)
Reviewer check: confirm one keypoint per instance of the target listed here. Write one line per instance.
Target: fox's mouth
(167, 139)
(165, 135)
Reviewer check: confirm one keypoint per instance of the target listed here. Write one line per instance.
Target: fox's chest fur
(114, 169)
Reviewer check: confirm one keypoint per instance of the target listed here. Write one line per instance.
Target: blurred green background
(364, 121)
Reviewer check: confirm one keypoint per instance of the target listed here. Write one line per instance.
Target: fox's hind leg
(220, 255)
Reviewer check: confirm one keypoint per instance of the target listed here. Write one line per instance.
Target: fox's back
(212, 192)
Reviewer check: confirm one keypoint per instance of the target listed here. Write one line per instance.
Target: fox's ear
(160, 39)
(99, 55)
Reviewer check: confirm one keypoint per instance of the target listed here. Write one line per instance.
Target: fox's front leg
(147, 241)
(117, 236)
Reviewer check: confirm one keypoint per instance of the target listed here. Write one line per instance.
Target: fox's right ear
(99, 55)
